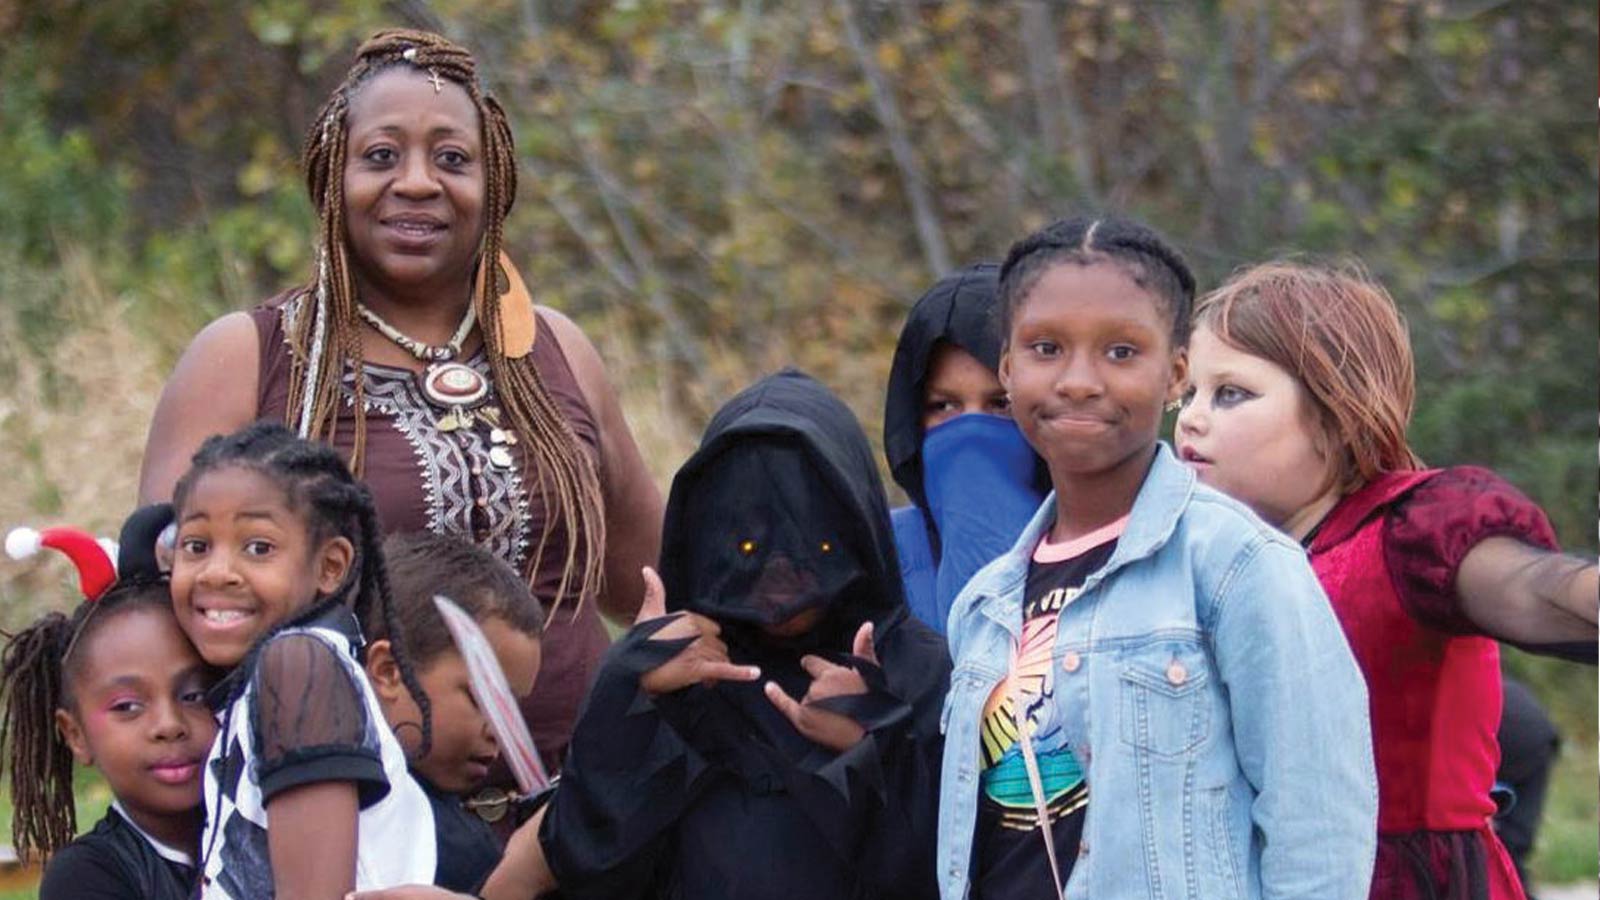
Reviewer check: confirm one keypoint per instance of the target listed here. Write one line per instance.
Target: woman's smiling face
(414, 182)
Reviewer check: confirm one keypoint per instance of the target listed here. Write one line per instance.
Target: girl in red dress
(1301, 390)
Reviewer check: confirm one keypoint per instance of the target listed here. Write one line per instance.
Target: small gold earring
(1173, 405)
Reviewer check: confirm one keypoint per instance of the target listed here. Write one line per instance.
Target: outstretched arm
(1530, 596)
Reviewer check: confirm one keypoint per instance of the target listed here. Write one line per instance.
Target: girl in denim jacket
(1151, 696)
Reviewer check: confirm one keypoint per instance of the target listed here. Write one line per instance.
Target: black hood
(961, 309)
(783, 492)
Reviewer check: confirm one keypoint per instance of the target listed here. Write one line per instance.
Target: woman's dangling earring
(1173, 405)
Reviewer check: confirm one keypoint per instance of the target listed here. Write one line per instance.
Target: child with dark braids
(307, 793)
(464, 748)
(117, 686)
(1152, 695)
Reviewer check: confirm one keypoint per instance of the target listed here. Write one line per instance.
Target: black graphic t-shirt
(1009, 859)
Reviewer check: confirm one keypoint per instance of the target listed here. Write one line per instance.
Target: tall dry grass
(75, 403)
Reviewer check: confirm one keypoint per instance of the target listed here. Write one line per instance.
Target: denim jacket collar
(1167, 487)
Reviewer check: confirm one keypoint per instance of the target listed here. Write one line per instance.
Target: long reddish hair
(1339, 334)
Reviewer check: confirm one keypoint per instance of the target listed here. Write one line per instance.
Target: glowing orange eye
(826, 547)
(747, 547)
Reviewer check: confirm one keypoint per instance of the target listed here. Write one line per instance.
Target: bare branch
(930, 234)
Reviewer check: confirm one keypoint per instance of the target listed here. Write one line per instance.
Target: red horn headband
(94, 558)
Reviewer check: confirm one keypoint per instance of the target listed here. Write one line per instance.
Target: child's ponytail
(32, 688)
(375, 590)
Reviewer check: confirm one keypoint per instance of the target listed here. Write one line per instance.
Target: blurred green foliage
(721, 188)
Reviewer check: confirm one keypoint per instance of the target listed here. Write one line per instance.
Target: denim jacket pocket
(1166, 708)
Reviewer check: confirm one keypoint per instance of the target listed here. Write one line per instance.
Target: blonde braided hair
(325, 342)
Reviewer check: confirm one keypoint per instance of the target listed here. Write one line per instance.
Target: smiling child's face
(1089, 364)
(246, 561)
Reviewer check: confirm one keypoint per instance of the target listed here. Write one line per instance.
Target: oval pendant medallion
(501, 457)
(454, 384)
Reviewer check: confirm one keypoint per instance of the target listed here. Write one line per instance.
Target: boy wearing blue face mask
(951, 444)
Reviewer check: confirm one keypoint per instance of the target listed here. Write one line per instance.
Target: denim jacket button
(1071, 661)
(1176, 673)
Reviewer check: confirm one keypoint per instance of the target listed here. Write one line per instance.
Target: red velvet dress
(1387, 555)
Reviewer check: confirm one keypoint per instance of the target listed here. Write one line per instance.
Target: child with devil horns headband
(127, 698)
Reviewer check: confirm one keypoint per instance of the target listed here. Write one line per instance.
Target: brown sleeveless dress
(426, 479)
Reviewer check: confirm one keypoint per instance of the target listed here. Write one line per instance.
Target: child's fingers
(655, 597)
(790, 707)
(863, 646)
(409, 892)
(816, 666)
(709, 670)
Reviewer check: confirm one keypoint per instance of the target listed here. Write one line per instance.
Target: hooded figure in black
(777, 532)
(973, 480)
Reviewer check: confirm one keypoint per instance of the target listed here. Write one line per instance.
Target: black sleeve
(310, 721)
(878, 801)
(630, 774)
(898, 851)
(82, 871)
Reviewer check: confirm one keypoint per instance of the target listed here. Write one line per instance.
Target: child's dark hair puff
(1149, 260)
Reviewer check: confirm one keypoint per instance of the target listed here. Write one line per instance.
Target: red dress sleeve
(1429, 532)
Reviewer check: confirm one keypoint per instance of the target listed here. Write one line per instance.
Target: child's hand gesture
(703, 661)
(836, 731)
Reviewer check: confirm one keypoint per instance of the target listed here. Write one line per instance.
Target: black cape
(709, 792)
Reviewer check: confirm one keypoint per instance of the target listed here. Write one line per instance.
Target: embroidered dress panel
(467, 492)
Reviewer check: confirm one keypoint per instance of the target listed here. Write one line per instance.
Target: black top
(709, 792)
(1009, 859)
(468, 848)
(113, 861)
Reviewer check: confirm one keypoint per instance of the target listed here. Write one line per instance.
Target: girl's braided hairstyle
(38, 669)
(1149, 260)
(326, 340)
(316, 482)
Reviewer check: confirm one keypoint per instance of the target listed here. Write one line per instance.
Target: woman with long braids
(416, 351)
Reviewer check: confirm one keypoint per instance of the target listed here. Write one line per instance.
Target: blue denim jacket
(1207, 688)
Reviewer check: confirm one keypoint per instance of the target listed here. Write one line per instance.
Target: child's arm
(312, 840)
(1300, 724)
(1539, 600)
(318, 763)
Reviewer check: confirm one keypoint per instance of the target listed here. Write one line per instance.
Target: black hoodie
(960, 309)
(709, 792)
